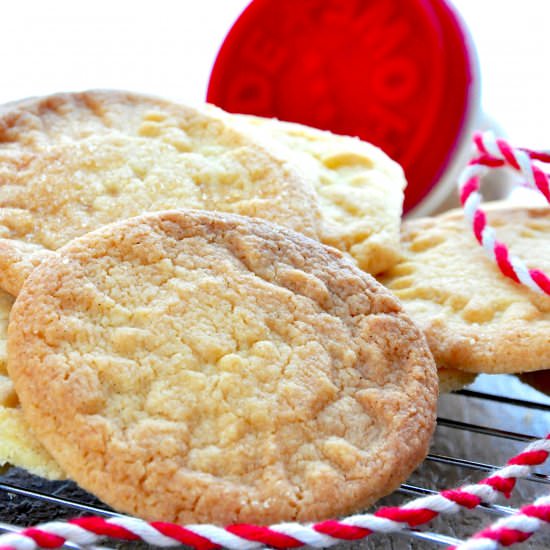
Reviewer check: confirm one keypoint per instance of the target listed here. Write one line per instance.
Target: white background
(167, 47)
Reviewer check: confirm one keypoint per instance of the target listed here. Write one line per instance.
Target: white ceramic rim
(447, 182)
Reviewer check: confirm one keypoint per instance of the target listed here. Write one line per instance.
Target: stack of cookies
(190, 324)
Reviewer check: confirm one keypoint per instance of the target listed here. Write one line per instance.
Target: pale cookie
(17, 260)
(476, 319)
(453, 379)
(360, 189)
(198, 367)
(17, 445)
(73, 162)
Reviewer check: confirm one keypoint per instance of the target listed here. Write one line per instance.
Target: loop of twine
(494, 153)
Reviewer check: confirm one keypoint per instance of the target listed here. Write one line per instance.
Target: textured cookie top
(359, 189)
(39, 122)
(74, 162)
(475, 318)
(192, 366)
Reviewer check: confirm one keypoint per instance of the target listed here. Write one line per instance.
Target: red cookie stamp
(396, 73)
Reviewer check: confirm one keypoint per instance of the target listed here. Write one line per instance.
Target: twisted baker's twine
(494, 153)
(511, 530)
(89, 530)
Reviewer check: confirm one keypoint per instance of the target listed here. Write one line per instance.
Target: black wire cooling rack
(479, 428)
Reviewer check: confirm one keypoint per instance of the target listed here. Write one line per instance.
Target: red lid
(396, 73)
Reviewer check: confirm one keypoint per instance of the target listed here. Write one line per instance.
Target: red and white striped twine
(494, 153)
(90, 530)
(511, 530)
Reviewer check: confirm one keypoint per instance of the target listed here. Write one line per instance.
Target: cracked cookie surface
(474, 318)
(73, 162)
(199, 367)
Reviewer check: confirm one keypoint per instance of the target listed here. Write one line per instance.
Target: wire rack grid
(479, 428)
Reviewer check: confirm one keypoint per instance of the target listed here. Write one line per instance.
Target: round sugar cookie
(474, 318)
(195, 366)
(359, 188)
(73, 162)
